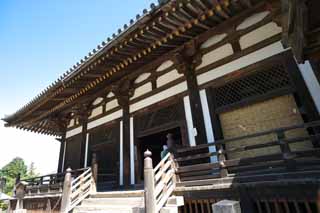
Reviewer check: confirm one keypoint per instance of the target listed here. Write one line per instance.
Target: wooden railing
(81, 187)
(294, 149)
(47, 184)
(160, 182)
(76, 190)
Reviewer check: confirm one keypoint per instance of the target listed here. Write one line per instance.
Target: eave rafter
(174, 24)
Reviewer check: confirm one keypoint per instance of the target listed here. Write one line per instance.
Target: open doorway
(154, 142)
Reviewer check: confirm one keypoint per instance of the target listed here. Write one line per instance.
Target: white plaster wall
(96, 111)
(86, 151)
(121, 154)
(216, 55)
(213, 40)
(311, 82)
(255, 18)
(190, 127)
(242, 62)
(179, 88)
(64, 157)
(259, 35)
(142, 77)
(71, 123)
(168, 77)
(110, 95)
(142, 90)
(74, 132)
(208, 123)
(97, 101)
(112, 104)
(132, 151)
(165, 65)
(105, 119)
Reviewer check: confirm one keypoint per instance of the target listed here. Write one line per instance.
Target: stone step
(118, 194)
(107, 208)
(127, 201)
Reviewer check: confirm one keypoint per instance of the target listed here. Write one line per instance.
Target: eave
(158, 32)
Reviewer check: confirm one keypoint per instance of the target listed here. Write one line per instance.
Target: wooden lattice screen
(259, 83)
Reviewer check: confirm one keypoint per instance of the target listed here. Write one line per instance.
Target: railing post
(149, 187)
(176, 178)
(66, 193)
(287, 155)
(221, 159)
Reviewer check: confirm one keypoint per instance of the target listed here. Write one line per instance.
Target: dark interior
(155, 142)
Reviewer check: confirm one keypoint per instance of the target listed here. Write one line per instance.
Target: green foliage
(32, 171)
(3, 205)
(12, 170)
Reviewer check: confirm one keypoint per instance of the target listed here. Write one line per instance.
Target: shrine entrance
(152, 127)
(155, 142)
(103, 142)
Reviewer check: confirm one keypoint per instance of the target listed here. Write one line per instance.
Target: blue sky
(39, 40)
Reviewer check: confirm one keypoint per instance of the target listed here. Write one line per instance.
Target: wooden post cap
(147, 153)
(69, 170)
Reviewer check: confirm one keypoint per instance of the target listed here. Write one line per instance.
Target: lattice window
(259, 83)
(104, 135)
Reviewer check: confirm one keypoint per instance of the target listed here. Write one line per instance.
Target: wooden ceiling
(161, 30)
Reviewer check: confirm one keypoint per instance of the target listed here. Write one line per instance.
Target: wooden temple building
(231, 87)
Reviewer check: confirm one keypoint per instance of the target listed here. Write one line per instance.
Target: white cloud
(40, 149)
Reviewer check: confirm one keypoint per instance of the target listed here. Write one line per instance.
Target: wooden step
(118, 194)
(125, 201)
(108, 208)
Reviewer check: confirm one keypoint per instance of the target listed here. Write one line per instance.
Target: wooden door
(104, 141)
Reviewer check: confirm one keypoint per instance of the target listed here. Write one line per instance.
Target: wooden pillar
(61, 154)
(123, 93)
(126, 144)
(62, 123)
(187, 60)
(83, 116)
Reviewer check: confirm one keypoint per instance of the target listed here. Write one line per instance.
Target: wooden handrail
(224, 141)
(195, 166)
(160, 182)
(76, 190)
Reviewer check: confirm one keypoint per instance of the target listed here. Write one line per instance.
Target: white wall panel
(208, 123)
(121, 154)
(259, 35)
(190, 127)
(74, 132)
(242, 62)
(112, 104)
(179, 88)
(311, 82)
(168, 77)
(105, 119)
(254, 19)
(132, 151)
(142, 90)
(216, 55)
(96, 111)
